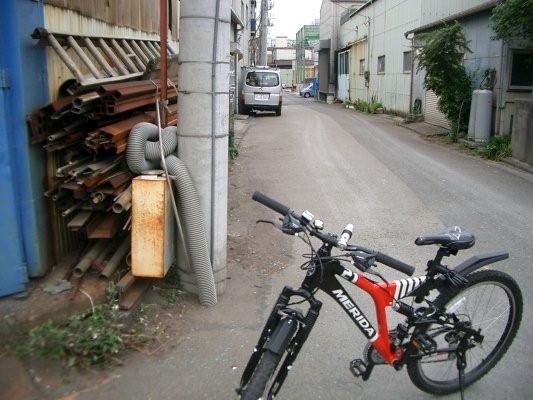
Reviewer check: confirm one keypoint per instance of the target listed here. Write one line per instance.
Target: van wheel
(278, 111)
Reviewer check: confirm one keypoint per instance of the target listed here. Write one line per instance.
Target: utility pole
(203, 116)
(263, 32)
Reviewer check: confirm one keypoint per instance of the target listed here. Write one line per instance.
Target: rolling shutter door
(432, 115)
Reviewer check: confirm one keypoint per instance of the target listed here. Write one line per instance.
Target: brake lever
(264, 221)
(363, 261)
(291, 225)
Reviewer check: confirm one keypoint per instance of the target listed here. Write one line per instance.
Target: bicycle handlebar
(395, 264)
(271, 203)
(342, 242)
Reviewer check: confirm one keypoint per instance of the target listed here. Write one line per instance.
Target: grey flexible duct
(143, 153)
(195, 232)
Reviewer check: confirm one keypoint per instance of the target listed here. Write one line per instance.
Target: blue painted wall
(24, 88)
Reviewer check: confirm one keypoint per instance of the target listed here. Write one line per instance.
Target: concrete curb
(513, 162)
(425, 129)
(241, 124)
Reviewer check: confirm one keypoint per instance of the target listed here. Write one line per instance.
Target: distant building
(306, 38)
(331, 14)
(242, 43)
(281, 54)
(375, 57)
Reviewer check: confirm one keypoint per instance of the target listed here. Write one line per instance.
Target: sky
(288, 16)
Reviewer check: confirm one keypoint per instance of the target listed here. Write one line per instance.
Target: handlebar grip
(270, 203)
(395, 264)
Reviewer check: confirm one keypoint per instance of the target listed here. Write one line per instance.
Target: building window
(344, 63)
(361, 66)
(521, 70)
(407, 61)
(381, 64)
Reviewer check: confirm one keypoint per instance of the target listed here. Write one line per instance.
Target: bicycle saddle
(453, 238)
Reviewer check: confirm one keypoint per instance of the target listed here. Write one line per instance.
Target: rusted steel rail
(108, 59)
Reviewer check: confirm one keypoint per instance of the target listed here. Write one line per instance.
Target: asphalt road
(344, 167)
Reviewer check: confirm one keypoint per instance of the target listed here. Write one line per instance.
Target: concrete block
(522, 135)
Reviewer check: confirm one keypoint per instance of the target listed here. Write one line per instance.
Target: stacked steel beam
(88, 183)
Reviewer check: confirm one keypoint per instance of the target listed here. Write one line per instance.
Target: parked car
(307, 91)
(261, 90)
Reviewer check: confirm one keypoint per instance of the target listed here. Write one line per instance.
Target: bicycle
(469, 324)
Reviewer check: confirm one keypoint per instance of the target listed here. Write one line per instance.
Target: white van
(261, 90)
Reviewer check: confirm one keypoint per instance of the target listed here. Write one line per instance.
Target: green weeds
(85, 340)
(233, 151)
(497, 147)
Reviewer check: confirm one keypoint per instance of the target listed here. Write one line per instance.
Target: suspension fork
(305, 326)
(297, 342)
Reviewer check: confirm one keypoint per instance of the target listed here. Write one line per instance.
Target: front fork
(305, 325)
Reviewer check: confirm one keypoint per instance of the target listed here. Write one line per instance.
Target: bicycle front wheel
(491, 302)
(255, 389)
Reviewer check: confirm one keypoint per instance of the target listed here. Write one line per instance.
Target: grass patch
(497, 147)
(233, 151)
(95, 338)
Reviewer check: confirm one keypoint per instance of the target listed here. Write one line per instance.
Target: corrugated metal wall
(137, 14)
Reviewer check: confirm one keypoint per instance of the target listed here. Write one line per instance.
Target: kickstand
(461, 366)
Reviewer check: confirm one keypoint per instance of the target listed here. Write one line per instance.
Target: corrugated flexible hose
(143, 153)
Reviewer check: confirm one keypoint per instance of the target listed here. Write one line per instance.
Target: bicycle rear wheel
(492, 302)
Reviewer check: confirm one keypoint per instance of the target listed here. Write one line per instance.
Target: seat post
(441, 253)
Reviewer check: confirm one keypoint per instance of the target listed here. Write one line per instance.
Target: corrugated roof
(466, 13)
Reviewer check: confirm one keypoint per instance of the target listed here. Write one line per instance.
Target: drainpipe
(203, 116)
(499, 98)
(412, 72)
(163, 24)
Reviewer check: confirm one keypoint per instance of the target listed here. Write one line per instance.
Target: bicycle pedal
(360, 369)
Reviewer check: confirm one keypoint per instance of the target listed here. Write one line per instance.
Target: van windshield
(262, 79)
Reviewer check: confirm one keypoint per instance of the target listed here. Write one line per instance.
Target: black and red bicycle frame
(383, 294)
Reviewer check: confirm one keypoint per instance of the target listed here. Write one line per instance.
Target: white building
(375, 56)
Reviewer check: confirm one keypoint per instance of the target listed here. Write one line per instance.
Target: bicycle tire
(255, 388)
(438, 374)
